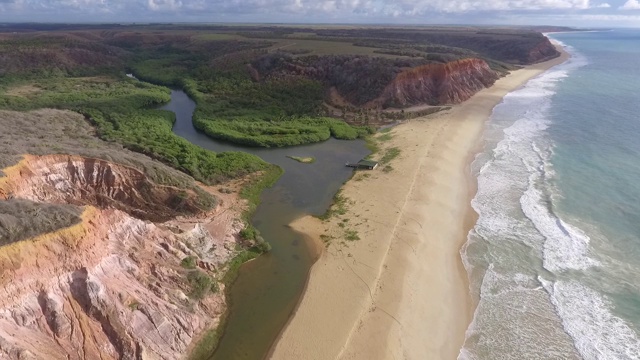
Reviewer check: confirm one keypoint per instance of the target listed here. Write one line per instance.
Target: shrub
(200, 283)
(189, 262)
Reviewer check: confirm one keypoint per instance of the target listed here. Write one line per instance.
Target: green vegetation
(201, 284)
(253, 85)
(326, 238)
(304, 160)
(278, 132)
(207, 344)
(188, 262)
(363, 176)
(351, 235)
(249, 233)
(385, 137)
(389, 154)
(233, 266)
(134, 305)
(119, 108)
(231, 106)
(339, 207)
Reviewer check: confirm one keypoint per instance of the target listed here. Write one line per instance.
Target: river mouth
(268, 289)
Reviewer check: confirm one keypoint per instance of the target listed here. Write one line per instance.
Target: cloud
(630, 19)
(415, 11)
(312, 6)
(164, 5)
(631, 5)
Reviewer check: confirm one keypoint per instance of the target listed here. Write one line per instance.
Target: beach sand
(400, 291)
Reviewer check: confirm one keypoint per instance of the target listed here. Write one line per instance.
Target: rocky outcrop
(111, 286)
(83, 181)
(436, 84)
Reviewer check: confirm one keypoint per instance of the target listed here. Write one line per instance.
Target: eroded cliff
(114, 285)
(436, 84)
(377, 83)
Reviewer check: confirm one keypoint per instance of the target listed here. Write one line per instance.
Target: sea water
(554, 258)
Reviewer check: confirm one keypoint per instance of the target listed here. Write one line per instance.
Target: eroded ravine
(110, 286)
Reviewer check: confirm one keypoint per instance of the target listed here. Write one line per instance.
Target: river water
(267, 289)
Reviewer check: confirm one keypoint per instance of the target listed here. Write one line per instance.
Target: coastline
(400, 291)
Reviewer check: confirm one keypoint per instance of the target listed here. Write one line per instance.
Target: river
(267, 289)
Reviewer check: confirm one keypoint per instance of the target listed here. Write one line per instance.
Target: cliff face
(544, 50)
(84, 181)
(111, 286)
(436, 84)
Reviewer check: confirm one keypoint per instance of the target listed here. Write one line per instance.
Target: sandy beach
(400, 291)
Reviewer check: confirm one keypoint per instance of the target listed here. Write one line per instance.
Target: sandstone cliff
(436, 84)
(374, 82)
(111, 286)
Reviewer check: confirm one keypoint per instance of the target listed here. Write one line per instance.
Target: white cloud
(436, 11)
(457, 6)
(631, 5)
(627, 19)
(164, 5)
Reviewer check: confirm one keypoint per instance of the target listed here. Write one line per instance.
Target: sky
(578, 13)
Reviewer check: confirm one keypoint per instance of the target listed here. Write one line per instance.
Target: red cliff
(111, 286)
(436, 84)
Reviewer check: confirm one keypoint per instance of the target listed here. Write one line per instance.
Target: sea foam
(597, 333)
(522, 233)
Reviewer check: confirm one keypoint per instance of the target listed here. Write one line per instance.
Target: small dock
(363, 164)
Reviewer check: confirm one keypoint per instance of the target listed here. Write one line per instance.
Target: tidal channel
(268, 288)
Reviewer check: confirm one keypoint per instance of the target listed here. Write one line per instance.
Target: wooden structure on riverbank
(364, 164)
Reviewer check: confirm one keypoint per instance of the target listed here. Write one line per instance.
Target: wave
(585, 314)
(521, 235)
(565, 246)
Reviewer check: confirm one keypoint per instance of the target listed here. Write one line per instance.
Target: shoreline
(401, 291)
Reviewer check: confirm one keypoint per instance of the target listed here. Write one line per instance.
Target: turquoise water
(555, 255)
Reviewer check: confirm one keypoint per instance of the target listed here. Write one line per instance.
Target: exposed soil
(65, 179)
(112, 285)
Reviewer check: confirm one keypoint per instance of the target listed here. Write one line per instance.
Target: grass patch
(201, 284)
(351, 235)
(326, 238)
(304, 160)
(385, 137)
(188, 262)
(339, 207)
(208, 343)
(233, 266)
(251, 192)
(389, 154)
(134, 305)
(387, 169)
(372, 144)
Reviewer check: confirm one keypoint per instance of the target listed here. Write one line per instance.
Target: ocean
(554, 258)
